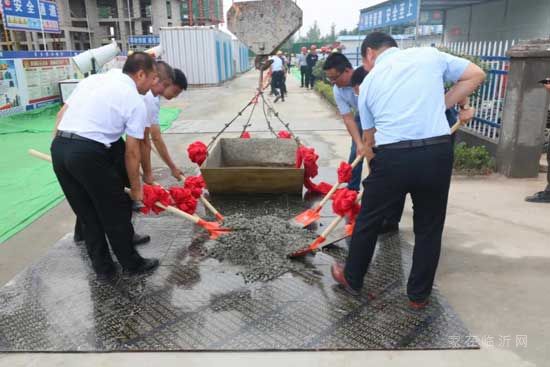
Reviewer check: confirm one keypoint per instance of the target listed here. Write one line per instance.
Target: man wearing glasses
(339, 71)
(346, 81)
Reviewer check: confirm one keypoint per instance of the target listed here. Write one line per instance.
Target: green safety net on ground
(295, 71)
(28, 186)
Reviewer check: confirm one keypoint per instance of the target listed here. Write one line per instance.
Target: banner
(150, 40)
(31, 15)
(43, 75)
(388, 14)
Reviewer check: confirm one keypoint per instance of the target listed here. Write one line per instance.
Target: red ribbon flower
(308, 158)
(196, 184)
(184, 199)
(344, 203)
(153, 194)
(344, 172)
(197, 152)
(283, 134)
(245, 135)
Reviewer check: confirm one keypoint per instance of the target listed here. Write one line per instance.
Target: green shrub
(319, 73)
(325, 90)
(473, 160)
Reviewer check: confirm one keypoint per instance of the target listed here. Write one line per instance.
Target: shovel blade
(307, 217)
(213, 228)
(319, 241)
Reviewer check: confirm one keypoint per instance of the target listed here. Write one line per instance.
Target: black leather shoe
(140, 239)
(539, 197)
(146, 266)
(107, 275)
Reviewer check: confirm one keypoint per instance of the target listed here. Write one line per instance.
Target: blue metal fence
(489, 99)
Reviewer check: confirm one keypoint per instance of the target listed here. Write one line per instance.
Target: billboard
(31, 15)
(388, 14)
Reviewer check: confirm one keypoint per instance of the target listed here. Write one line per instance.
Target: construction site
(251, 212)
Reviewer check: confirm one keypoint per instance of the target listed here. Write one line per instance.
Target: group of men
(307, 61)
(94, 165)
(402, 126)
(395, 108)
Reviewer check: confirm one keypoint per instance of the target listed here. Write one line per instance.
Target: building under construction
(91, 23)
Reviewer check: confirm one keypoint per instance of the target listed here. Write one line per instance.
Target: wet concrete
(194, 302)
(261, 245)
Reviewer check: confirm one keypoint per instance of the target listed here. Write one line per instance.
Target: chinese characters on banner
(151, 40)
(43, 75)
(31, 15)
(388, 14)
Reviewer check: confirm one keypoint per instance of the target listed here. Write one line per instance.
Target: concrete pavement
(494, 268)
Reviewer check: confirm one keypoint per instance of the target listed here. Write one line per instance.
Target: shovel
(313, 214)
(322, 240)
(213, 228)
(204, 201)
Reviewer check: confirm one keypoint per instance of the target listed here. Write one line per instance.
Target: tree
(314, 33)
(332, 36)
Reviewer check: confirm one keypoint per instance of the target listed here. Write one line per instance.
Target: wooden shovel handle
(456, 126)
(206, 203)
(40, 155)
(337, 220)
(331, 226)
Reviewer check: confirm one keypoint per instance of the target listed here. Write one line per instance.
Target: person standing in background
(301, 62)
(311, 61)
(543, 196)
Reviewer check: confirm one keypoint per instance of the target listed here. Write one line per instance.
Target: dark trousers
(355, 181)
(310, 79)
(94, 188)
(423, 172)
(303, 73)
(278, 83)
(118, 152)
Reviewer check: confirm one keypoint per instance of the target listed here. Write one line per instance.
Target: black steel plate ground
(195, 303)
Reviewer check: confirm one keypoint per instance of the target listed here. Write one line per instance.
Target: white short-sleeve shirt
(152, 104)
(105, 107)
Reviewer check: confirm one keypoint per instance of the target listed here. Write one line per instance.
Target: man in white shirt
(85, 151)
(302, 64)
(278, 87)
(170, 84)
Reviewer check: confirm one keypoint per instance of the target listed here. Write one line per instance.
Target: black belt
(73, 136)
(416, 143)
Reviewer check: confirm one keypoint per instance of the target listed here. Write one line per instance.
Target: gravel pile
(261, 246)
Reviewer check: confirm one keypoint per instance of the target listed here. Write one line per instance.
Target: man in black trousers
(311, 61)
(403, 98)
(302, 64)
(86, 152)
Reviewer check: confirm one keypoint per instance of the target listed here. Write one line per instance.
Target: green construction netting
(28, 186)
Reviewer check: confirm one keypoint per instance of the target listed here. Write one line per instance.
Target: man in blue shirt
(403, 98)
(339, 71)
